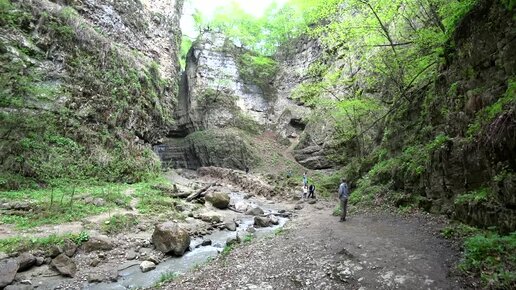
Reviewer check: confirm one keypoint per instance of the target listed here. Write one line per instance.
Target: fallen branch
(199, 192)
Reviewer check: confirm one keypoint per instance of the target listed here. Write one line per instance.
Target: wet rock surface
(8, 269)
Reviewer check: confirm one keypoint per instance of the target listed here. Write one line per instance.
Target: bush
(492, 258)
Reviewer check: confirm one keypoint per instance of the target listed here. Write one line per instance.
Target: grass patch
(168, 277)
(491, 257)
(248, 238)
(459, 230)
(63, 204)
(227, 249)
(119, 223)
(21, 244)
(279, 232)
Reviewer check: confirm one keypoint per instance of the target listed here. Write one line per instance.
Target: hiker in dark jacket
(343, 197)
(311, 191)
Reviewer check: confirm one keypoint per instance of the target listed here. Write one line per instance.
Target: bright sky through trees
(209, 7)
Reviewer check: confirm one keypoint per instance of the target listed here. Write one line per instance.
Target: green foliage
(492, 258)
(248, 238)
(22, 244)
(459, 230)
(168, 277)
(509, 4)
(227, 249)
(186, 44)
(483, 194)
(259, 70)
(119, 223)
(279, 231)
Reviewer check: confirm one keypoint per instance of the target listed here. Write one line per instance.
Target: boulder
(254, 211)
(274, 219)
(25, 261)
(219, 200)
(206, 243)
(230, 226)
(8, 269)
(262, 222)
(98, 243)
(147, 266)
(169, 238)
(95, 278)
(210, 217)
(64, 265)
(298, 207)
(69, 248)
(40, 261)
(130, 255)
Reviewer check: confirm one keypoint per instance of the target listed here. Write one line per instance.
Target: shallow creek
(132, 277)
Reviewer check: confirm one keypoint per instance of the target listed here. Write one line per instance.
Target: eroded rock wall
(86, 85)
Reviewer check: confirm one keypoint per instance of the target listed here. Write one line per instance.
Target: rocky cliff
(85, 86)
(227, 94)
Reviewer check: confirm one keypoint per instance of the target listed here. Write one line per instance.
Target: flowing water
(132, 277)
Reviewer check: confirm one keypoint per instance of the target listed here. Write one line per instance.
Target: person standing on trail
(305, 191)
(305, 179)
(311, 191)
(343, 197)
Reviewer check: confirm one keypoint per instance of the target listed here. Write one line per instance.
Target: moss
(485, 116)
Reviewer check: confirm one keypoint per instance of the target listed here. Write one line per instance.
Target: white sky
(208, 8)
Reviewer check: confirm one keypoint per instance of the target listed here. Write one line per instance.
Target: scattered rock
(251, 230)
(153, 258)
(219, 200)
(274, 219)
(8, 269)
(69, 248)
(64, 265)
(206, 243)
(147, 266)
(3, 256)
(312, 201)
(298, 207)
(98, 202)
(130, 255)
(25, 261)
(254, 211)
(95, 262)
(169, 238)
(262, 222)
(112, 275)
(26, 282)
(230, 226)
(54, 251)
(95, 278)
(98, 243)
(210, 217)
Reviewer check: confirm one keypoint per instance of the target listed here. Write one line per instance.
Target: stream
(133, 278)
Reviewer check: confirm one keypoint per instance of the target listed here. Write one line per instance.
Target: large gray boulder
(98, 243)
(218, 199)
(170, 238)
(64, 265)
(26, 261)
(8, 269)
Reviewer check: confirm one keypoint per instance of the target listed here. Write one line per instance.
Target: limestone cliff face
(85, 86)
(219, 92)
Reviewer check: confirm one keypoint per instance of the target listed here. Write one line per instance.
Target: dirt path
(369, 251)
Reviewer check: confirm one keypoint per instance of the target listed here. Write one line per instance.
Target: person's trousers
(344, 208)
